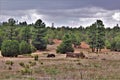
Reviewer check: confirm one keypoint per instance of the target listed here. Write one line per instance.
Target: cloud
(82, 16)
(22, 15)
(67, 17)
(31, 16)
(116, 16)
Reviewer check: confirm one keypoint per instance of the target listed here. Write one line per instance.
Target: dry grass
(103, 66)
(63, 69)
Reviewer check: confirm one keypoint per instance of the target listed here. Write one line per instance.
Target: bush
(65, 46)
(115, 45)
(36, 57)
(32, 63)
(107, 44)
(33, 49)
(9, 63)
(0, 43)
(25, 48)
(26, 71)
(10, 48)
(118, 46)
(22, 64)
(40, 44)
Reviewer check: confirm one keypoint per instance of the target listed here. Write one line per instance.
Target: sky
(73, 13)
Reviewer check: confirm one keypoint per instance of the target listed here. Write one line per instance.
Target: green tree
(10, 30)
(92, 36)
(115, 45)
(50, 36)
(107, 44)
(24, 48)
(23, 23)
(26, 34)
(75, 40)
(66, 45)
(1, 37)
(10, 48)
(97, 36)
(100, 35)
(40, 31)
(11, 21)
(60, 32)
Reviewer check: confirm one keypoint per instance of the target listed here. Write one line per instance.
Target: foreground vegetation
(60, 69)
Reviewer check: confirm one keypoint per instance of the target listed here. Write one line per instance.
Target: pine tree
(92, 37)
(26, 34)
(66, 45)
(100, 38)
(39, 41)
(97, 36)
(10, 31)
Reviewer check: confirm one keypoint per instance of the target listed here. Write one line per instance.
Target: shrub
(33, 49)
(27, 68)
(107, 44)
(36, 57)
(66, 45)
(0, 43)
(115, 45)
(32, 63)
(40, 44)
(22, 64)
(9, 68)
(9, 63)
(25, 48)
(26, 71)
(10, 48)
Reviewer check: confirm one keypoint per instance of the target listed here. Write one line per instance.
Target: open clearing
(102, 66)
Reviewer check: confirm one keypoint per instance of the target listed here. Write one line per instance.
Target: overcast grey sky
(62, 12)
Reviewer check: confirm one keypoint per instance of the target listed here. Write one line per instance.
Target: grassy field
(102, 66)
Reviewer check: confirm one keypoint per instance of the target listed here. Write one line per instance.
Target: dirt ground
(98, 66)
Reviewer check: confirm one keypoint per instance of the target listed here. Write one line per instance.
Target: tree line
(36, 37)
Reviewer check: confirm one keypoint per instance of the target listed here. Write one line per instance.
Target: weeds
(26, 68)
(36, 57)
(22, 64)
(52, 71)
(26, 71)
(10, 64)
(32, 63)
